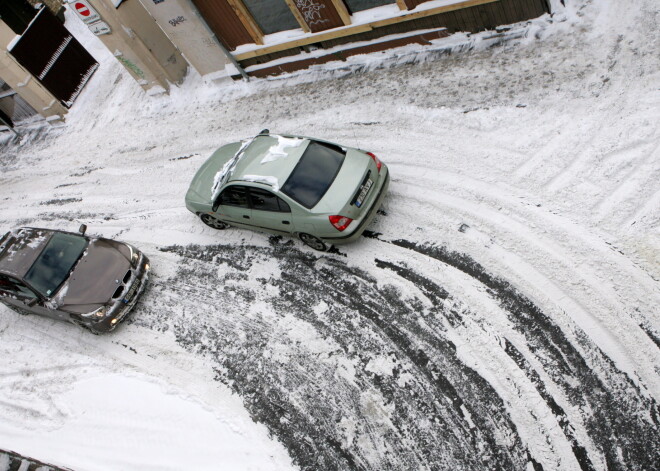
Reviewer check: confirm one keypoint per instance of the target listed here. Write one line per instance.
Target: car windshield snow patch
(278, 150)
(53, 265)
(227, 169)
(314, 173)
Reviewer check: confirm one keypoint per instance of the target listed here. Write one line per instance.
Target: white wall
(180, 20)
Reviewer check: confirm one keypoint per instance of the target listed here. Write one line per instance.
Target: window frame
(218, 203)
(277, 198)
(21, 294)
(257, 20)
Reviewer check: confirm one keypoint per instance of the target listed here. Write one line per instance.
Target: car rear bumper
(357, 232)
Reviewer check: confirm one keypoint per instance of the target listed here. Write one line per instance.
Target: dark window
(359, 5)
(284, 206)
(272, 16)
(17, 14)
(314, 173)
(10, 286)
(263, 200)
(234, 196)
(55, 262)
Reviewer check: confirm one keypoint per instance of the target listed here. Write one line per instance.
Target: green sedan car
(321, 192)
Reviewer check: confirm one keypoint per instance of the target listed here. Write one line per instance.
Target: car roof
(269, 159)
(20, 248)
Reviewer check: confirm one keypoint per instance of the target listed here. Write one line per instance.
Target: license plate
(363, 193)
(131, 292)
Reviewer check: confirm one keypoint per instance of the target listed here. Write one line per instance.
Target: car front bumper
(118, 311)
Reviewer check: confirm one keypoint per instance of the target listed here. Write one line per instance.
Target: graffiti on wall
(177, 21)
(131, 66)
(311, 11)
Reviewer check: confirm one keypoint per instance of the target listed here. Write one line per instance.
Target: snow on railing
(55, 56)
(83, 82)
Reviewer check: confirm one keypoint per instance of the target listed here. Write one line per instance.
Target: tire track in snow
(554, 249)
(384, 442)
(631, 183)
(579, 451)
(301, 393)
(562, 360)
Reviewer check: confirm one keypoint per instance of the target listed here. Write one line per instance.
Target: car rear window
(314, 173)
(55, 262)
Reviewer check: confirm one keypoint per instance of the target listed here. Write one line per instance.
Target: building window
(17, 14)
(359, 5)
(272, 16)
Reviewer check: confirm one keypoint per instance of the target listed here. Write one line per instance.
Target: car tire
(313, 242)
(213, 222)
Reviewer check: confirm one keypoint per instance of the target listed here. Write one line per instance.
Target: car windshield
(55, 262)
(314, 173)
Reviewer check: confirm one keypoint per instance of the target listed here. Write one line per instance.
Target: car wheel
(313, 242)
(213, 222)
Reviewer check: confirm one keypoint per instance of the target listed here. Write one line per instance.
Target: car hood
(201, 187)
(95, 277)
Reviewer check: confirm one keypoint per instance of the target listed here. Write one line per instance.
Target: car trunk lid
(352, 192)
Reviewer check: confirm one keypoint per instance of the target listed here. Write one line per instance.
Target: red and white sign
(85, 11)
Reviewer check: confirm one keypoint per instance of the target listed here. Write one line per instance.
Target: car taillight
(378, 162)
(340, 222)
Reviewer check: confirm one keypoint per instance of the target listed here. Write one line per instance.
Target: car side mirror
(31, 302)
(265, 131)
(82, 229)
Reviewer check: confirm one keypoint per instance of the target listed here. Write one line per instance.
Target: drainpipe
(232, 58)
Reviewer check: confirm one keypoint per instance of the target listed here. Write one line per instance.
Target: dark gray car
(92, 282)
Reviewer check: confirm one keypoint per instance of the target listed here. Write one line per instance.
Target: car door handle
(285, 222)
(246, 217)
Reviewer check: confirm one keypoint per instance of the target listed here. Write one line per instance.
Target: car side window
(12, 287)
(264, 200)
(234, 196)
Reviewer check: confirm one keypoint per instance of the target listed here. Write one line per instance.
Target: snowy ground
(501, 314)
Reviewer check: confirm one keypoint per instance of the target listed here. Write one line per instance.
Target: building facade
(158, 40)
(267, 37)
(42, 67)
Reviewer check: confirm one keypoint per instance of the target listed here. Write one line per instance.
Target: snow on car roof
(21, 248)
(270, 159)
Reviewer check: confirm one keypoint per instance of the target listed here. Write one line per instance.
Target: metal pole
(9, 126)
(232, 58)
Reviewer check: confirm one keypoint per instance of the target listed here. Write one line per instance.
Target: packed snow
(226, 171)
(266, 179)
(500, 313)
(279, 149)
